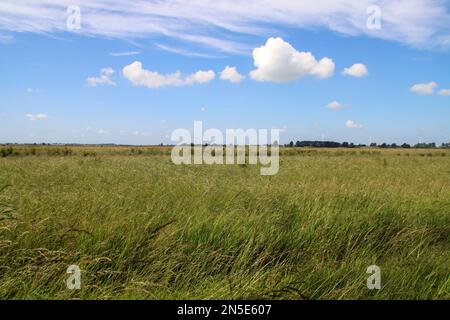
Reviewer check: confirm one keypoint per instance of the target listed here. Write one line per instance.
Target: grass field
(140, 227)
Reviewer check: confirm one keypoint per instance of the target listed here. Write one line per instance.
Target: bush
(5, 152)
(59, 151)
(89, 154)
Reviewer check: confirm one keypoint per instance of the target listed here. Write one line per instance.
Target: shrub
(5, 152)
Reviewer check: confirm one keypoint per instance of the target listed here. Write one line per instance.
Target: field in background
(140, 227)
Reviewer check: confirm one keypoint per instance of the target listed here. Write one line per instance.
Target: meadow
(140, 227)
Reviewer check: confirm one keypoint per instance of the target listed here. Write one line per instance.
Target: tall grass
(141, 227)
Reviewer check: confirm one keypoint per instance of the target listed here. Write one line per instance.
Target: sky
(131, 72)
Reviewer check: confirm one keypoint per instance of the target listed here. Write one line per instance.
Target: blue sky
(51, 88)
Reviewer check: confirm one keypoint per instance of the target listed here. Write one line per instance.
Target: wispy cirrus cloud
(185, 52)
(6, 38)
(36, 117)
(124, 54)
(418, 23)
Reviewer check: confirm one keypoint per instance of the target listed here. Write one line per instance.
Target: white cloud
(102, 131)
(444, 92)
(278, 61)
(32, 90)
(334, 105)
(424, 88)
(419, 23)
(36, 117)
(151, 79)
(357, 70)
(143, 134)
(6, 38)
(200, 77)
(104, 78)
(231, 74)
(184, 52)
(124, 54)
(352, 125)
(203, 109)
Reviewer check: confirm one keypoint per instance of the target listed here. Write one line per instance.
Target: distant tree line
(334, 144)
(298, 144)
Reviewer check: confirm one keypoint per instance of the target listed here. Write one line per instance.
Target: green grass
(140, 227)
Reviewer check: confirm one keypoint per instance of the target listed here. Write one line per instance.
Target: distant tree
(383, 145)
(394, 145)
(406, 146)
(425, 145)
(373, 145)
(291, 144)
(298, 144)
(345, 144)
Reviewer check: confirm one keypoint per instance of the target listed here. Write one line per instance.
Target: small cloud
(104, 78)
(200, 77)
(231, 74)
(102, 131)
(352, 125)
(444, 92)
(31, 90)
(203, 109)
(357, 70)
(278, 61)
(143, 134)
(36, 117)
(124, 54)
(6, 38)
(424, 88)
(334, 105)
(150, 79)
